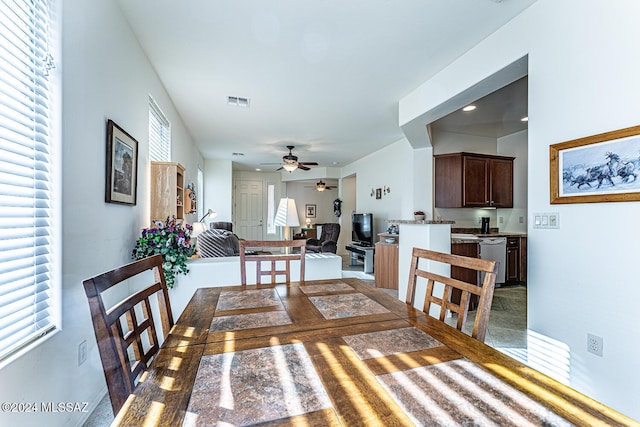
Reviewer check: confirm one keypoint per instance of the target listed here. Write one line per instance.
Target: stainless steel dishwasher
(495, 248)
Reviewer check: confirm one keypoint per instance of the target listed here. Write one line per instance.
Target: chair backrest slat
(485, 291)
(121, 372)
(259, 258)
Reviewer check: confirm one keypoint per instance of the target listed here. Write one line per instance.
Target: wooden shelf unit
(167, 191)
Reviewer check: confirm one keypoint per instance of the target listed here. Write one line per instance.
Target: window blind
(159, 134)
(25, 180)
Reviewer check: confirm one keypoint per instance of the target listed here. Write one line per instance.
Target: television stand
(364, 253)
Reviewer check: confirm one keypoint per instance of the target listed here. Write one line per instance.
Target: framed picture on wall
(122, 166)
(310, 211)
(598, 168)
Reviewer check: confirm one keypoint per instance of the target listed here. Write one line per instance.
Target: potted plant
(170, 239)
(418, 215)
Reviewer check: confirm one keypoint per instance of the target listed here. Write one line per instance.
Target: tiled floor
(507, 329)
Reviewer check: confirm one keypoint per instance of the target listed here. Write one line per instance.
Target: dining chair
(126, 332)
(485, 291)
(248, 253)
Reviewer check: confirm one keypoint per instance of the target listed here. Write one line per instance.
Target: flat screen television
(362, 229)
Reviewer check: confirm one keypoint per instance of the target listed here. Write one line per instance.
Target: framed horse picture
(598, 168)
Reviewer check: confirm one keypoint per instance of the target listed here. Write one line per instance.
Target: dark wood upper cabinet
(466, 180)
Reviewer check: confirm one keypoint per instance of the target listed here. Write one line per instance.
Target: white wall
(218, 189)
(105, 76)
(395, 167)
(348, 196)
(582, 80)
(303, 195)
(450, 142)
(516, 145)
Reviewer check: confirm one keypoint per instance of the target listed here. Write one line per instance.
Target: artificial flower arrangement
(170, 239)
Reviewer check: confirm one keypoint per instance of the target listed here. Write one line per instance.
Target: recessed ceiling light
(469, 108)
(258, 169)
(524, 119)
(237, 101)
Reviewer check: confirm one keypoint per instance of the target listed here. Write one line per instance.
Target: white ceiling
(324, 76)
(496, 115)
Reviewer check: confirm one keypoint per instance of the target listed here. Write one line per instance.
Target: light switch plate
(546, 220)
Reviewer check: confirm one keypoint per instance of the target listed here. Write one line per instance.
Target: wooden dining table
(339, 352)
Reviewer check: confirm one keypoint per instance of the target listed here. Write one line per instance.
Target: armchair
(328, 241)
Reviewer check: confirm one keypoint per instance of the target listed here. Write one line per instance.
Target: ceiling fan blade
(280, 168)
(275, 163)
(304, 168)
(308, 163)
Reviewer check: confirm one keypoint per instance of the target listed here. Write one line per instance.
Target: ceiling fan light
(290, 167)
(321, 186)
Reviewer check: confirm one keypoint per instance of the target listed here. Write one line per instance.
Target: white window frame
(200, 194)
(271, 208)
(159, 134)
(30, 176)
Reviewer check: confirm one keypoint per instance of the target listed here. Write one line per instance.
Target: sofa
(217, 242)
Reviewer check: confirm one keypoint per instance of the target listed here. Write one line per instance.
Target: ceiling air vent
(236, 101)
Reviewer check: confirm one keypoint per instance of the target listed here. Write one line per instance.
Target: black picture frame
(121, 182)
(310, 211)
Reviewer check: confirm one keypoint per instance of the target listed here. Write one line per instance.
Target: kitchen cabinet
(464, 180)
(167, 191)
(512, 270)
(516, 268)
(386, 262)
(465, 274)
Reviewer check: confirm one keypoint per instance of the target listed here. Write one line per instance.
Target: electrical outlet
(501, 219)
(82, 352)
(594, 344)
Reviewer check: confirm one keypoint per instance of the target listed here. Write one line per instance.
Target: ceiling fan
(291, 163)
(321, 186)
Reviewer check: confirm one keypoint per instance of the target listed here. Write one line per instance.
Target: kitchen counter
(479, 235)
(421, 221)
(494, 232)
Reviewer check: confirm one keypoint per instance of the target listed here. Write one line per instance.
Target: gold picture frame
(596, 169)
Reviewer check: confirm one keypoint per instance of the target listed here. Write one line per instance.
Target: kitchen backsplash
(513, 220)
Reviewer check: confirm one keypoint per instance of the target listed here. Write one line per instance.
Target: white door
(249, 210)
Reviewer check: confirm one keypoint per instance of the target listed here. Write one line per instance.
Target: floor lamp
(287, 216)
